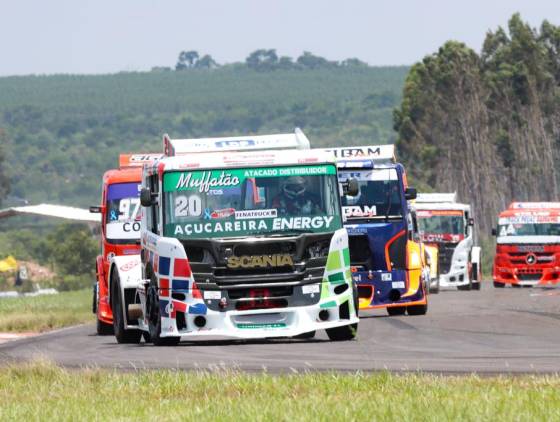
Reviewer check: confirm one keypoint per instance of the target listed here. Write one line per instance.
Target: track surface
(488, 331)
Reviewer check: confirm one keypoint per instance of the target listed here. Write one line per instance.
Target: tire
(516, 286)
(396, 310)
(305, 336)
(417, 309)
(122, 335)
(499, 285)
(465, 287)
(104, 329)
(94, 301)
(435, 290)
(154, 317)
(344, 333)
(476, 286)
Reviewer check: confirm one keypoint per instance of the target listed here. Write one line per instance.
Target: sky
(108, 36)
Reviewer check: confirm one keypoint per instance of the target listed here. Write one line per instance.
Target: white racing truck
(246, 242)
(448, 225)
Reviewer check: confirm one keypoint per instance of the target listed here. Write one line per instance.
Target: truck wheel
(417, 309)
(154, 318)
(476, 286)
(465, 287)
(499, 285)
(122, 335)
(396, 310)
(344, 333)
(435, 289)
(94, 301)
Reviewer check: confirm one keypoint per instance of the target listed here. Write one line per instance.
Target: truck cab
(242, 237)
(527, 245)
(448, 225)
(120, 228)
(387, 258)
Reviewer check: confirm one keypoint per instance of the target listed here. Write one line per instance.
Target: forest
(486, 124)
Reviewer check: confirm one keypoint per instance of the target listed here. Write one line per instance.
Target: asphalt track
(488, 331)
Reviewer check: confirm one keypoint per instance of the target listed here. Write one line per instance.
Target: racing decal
(123, 211)
(223, 213)
(249, 214)
(441, 237)
(240, 227)
(129, 265)
(431, 213)
(359, 211)
(181, 268)
(188, 206)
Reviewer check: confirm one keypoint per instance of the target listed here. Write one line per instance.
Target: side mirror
(146, 197)
(494, 231)
(351, 187)
(410, 193)
(96, 209)
(470, 222)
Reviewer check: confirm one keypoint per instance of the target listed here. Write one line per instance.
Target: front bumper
(527, 276)
(454, 278)
(264, 323)
(383, 289)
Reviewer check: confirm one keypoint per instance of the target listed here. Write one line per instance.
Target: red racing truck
(120, 228)
(527, 245)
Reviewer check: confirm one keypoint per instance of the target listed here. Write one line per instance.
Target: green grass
(43, 313)
(43, 391)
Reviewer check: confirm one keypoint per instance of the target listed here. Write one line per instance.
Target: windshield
(441, 225)
(379, 194)
(241, 202)
(529, 225)
(123, 213)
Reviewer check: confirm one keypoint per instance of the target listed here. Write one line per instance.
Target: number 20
(188, 207)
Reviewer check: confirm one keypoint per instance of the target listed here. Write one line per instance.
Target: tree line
(264, 60)
(486, 124)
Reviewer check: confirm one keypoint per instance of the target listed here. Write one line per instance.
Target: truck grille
(520, 258)
(445, 256)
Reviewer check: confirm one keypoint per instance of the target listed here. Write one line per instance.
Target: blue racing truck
(389, 263)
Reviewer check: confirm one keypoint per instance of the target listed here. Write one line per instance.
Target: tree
(4, 179)
(187, 59)
(73, 249)
(310, 61)
(262, 60)
(206, 62)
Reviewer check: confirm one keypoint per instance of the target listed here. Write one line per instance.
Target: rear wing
(296, 140)
(376, 153)
(534, 205)
(436, 198)
(137, 160)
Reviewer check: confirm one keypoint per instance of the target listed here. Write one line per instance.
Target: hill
(61, 132)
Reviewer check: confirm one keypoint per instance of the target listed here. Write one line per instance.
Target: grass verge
(44, 391)
(43, 313)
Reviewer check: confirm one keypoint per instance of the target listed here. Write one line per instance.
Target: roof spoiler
(425, 198)
(534, 205)
(296, 140)
(377, 153)
(137, 160)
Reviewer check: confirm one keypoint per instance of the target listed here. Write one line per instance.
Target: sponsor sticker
(397, 284)
(224, 213)
(248, 214)
(359, 211)
(212, 294)
(310, 288)
(129, 265)
(386, 277)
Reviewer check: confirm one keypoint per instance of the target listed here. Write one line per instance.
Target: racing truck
(448, 225)
(388, 260)
(527, 245)
(120, 229)
(242, 237)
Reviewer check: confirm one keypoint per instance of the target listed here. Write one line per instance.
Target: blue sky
(105, 36)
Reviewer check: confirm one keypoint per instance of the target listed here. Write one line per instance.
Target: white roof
(296, 140)
(246, 159)
(534, 205)
(381, 153)
(49, 210)
(439, 202)
(436, 197)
